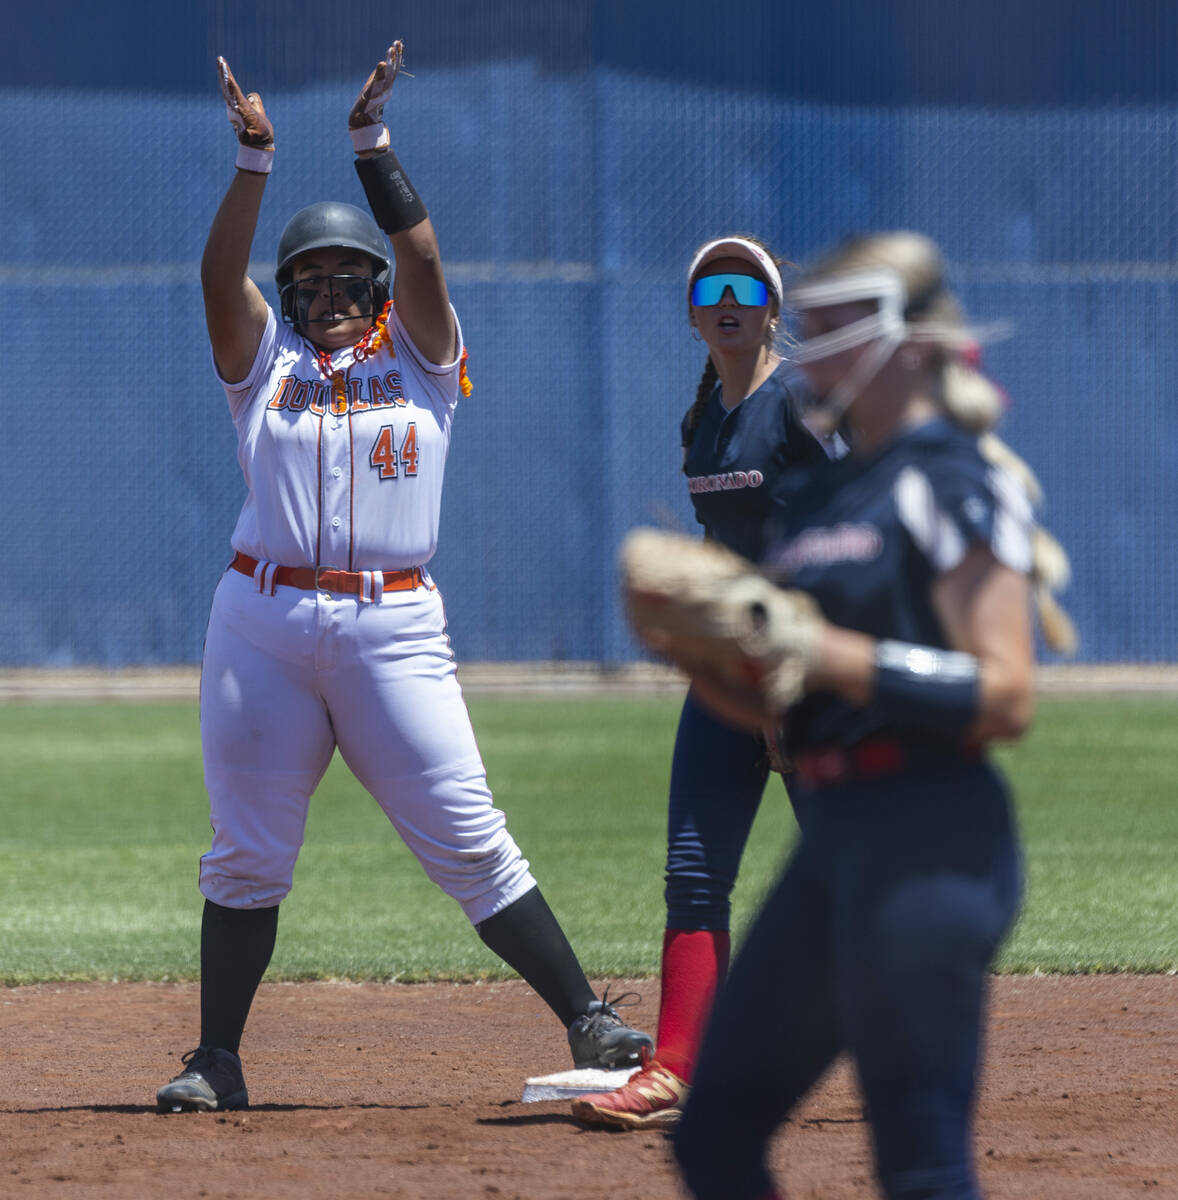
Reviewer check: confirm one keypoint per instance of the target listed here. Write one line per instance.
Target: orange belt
(328, 579)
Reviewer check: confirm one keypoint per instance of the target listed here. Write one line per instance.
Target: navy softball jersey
(868, 538)
(878, 938)
(734, 463)
(737, 459)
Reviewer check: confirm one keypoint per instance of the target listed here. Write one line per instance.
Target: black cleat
(598, 1038)
(211, 1082)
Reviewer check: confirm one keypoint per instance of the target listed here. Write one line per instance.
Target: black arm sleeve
(394, 202)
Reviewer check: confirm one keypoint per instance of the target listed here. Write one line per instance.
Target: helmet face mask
(342, 293)
(884, 329)
(331, 224)
(882, 287)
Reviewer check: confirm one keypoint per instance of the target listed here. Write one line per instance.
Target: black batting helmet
(331, 223)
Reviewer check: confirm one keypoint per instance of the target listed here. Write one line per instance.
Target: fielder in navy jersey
(742, 437)
(921, 550)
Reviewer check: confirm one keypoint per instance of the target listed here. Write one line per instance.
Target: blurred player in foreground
(740, 438)
(326, 630)
(903, 647)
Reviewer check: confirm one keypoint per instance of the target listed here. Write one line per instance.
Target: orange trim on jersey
(351, 487)
(319, 485)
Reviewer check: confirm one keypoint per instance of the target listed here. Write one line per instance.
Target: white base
(568, 1085)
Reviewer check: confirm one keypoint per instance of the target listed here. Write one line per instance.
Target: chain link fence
(569, 191)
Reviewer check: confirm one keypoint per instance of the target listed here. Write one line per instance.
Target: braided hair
(703, 393)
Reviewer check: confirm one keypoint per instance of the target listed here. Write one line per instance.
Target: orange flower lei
(372, 341)
(463, 378)
(376, 337)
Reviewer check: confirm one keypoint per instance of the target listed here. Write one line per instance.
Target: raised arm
(419, 286)
(235, 310)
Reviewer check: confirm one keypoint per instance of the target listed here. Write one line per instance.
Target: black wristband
(394, 203)
(924, 685)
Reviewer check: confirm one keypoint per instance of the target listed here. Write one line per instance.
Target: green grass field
(103, 817)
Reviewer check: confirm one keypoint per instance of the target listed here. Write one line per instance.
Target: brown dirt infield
(413, 1091)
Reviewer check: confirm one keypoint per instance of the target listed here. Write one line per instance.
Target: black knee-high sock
(530, 940)
(235, 949)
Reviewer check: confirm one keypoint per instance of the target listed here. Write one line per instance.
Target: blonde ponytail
(970, 399)
(1051, 572)
(997, 452)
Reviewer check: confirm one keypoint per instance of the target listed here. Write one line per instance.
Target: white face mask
(886, 328)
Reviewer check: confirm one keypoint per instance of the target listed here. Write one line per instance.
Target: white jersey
(346, 475)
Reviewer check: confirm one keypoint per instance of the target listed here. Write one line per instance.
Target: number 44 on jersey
(388, 458)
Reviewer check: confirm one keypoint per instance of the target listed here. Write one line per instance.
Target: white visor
(738, 247)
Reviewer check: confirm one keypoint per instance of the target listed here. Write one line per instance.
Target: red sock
(694, 963)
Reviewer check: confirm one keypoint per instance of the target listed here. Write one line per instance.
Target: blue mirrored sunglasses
(746, 290)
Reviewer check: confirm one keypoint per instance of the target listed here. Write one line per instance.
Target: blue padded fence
(567, 204)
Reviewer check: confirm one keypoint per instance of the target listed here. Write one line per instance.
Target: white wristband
(251, 158)
(370, 137)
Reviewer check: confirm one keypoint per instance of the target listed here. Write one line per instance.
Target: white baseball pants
(288, 677)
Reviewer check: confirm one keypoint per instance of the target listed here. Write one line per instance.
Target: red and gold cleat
(650, 1099)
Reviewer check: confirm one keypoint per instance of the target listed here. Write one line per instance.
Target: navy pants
(718, 777)
(876, 941)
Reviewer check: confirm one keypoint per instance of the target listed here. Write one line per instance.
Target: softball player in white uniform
(327, 629)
